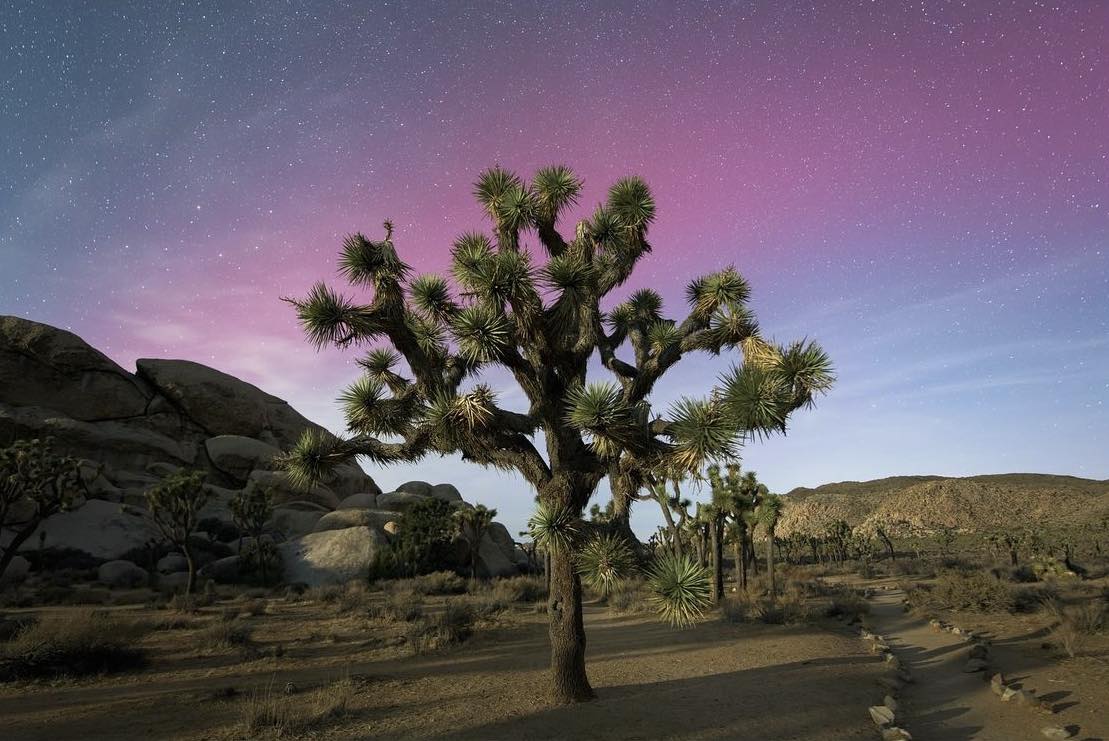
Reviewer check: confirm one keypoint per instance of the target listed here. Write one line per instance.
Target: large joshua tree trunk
(567, 632)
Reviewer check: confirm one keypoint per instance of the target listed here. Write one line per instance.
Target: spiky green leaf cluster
(604, 560)
(554, 528)
(680, 589)
(375, 264)
(556, 188)
(701, 432)
(483, 333)
(598, 409)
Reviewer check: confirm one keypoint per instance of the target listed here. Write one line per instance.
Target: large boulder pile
(132, 429)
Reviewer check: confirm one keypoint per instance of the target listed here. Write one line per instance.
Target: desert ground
(356, 662)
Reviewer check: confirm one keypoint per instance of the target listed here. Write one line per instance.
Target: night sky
(923, 187)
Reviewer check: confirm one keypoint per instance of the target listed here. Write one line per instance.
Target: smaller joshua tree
(769, 512)
(472, 526)
(251, 508)
(34, 484)
(173, 506)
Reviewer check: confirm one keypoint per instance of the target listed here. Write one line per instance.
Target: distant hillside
(971, 504)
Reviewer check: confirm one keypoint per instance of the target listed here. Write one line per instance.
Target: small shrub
(438, 582)
(404, 606)
(441, 630)
(254, 607)
(173, 621)
(271, 709)
(223, 635)
(847, 604)
(787, 609)
(486, 606)
(976, 591)
(1030, 599)
(72, 643)
(521, 589)
(630, 596)
(1075, 624)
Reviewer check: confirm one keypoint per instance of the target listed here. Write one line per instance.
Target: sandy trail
(945, 703)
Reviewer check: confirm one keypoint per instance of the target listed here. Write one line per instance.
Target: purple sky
(924, 188)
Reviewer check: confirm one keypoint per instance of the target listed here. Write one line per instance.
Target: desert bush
(520, 589)
(437, 582)
(630, 596)
(10, 627)
(221, 530)
(173, 621)
(1074, 624)
(441, 630)
(272, 710)
(978, 591)
(191, 602)
(847, 604)
(223, 635)
(404, 606)
(254, 607)
(343, 597)
(485, 605)
(745, 607)
(911, 567)
(1031, 599)
(72, 643)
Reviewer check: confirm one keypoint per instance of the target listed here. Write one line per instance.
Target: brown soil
(714, 681)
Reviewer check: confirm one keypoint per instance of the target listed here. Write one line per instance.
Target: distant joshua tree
(250, 509)
(769, 512)
(542, 323)
(173, 506)
(472, 525)
(34, 484)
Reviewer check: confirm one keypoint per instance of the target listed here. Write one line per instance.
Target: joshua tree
(172, 505)
(34, 484)
(472, 525)
(769, 510)
(542, 322)
(251, 509)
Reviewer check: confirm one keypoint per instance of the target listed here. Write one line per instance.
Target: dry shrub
(1075, 623)
(520, 589)
(254, 608)
(272, 711)
(173, 621)
(404, 607)
(437, 582)
(848, 604)
(978, 591)
(192, 602)
(441, 630)
(630, 596)
(911, 567)
(745, 607)
(72, 643)
(223, 635)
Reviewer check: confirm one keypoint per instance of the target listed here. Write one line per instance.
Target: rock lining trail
(944, 702)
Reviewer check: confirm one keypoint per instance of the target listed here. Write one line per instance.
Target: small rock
(1056, 732)
(881, 715)
(893, 662)
(893, 733)
(936, 624)
(975, 665)
(956, 630)
(1009, 693)
(890, 703)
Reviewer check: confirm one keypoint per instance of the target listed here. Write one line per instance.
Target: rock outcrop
(134, 429)
(131, 430)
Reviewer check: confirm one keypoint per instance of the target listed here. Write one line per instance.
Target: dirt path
(944, 703)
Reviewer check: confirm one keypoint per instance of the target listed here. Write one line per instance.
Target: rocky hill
(132, 429)
(971, 504)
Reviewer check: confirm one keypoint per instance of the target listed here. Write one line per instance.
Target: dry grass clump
(273, 711)
(786, 609)
(441, 630)
(846, 604)
(630, 596)
(173, 621)
(524, 589)
(1074, 624)
(437, 582)
(979, 591)
(72, 643)
(224, 635)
